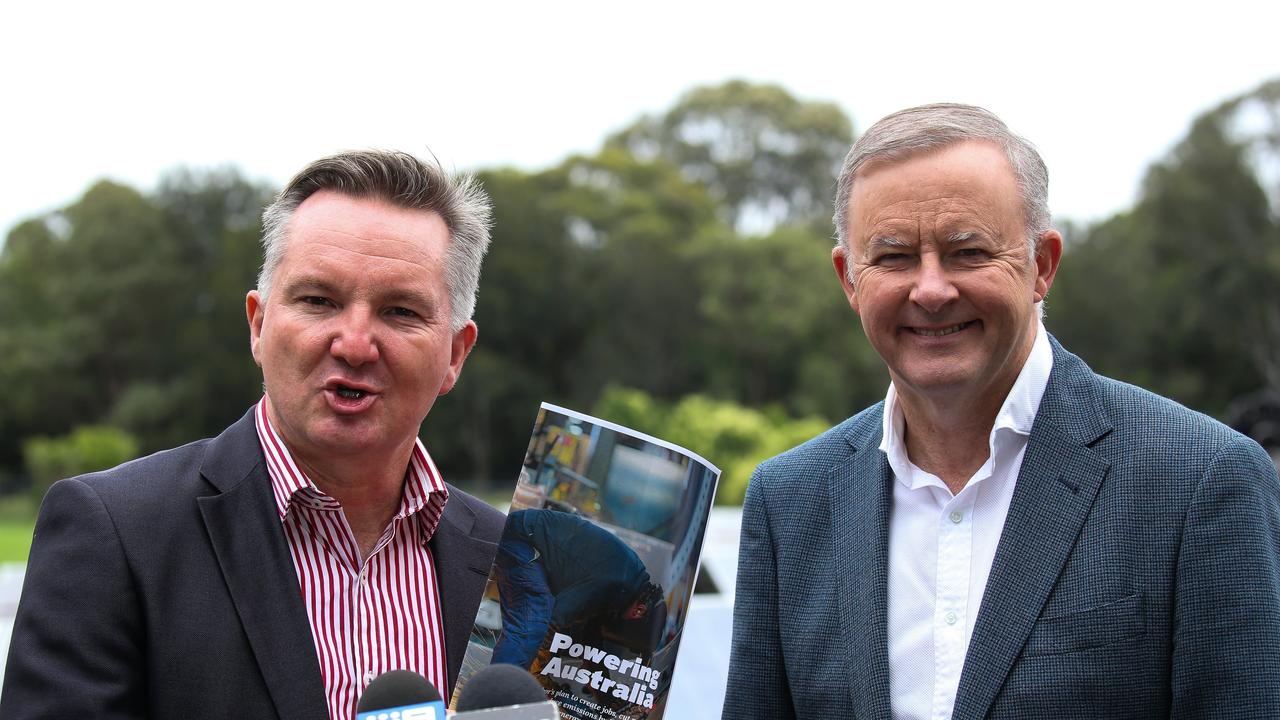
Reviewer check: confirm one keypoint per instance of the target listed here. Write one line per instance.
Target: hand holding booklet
(596, 564)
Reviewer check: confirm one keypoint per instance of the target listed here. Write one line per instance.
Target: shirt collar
(424, 488)
(1017, 414)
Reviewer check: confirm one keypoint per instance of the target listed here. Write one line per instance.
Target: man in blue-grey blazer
(1008, 534)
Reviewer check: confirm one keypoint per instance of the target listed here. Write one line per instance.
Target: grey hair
(928, 127)
(404, 181)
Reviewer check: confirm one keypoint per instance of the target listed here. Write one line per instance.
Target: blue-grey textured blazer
(164, 588)
(1137, 576)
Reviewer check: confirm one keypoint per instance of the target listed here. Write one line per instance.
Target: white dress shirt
(941, 547)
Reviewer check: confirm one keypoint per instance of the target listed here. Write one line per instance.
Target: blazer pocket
(1113, 622)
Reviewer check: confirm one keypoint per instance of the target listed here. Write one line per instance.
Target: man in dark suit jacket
(1008, 535)
(171, 586)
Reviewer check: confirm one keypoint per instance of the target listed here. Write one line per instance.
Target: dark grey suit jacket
(164, 588)
(1137, 575)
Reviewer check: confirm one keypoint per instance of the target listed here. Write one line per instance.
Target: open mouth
(939, 332)
(349, 393)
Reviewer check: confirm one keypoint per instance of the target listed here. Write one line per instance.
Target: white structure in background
(702, 665)
(10, 588)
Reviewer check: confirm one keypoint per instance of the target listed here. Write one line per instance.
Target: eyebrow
(887, 241)
(957, 238)
(309, 284)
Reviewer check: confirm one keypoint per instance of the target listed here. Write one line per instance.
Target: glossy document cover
(595, 568)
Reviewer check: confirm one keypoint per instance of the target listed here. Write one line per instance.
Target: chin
(930, 377)
(344, 440)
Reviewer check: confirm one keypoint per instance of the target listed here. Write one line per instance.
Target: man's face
(354, 339)
(942, 276)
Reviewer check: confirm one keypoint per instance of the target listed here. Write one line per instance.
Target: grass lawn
(17, 519)
(15, 540)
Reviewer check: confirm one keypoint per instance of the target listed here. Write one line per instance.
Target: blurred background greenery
(677, 280)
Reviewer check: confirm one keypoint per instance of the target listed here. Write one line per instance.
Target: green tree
(530, 327)
(778, 327)
(619, 268)
(39, 354)
(82, 312)
(590, 280)
(733, 437)
(86, 449)
(128, 309)
(216, 216)
(766, 156)
(1182, 293)
(638, 223)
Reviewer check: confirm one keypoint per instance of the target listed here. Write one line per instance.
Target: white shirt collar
(1017, 413)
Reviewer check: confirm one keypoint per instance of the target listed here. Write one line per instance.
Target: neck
(948, 432)
(370, 493)
(950, 442)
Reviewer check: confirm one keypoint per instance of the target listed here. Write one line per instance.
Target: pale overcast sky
(127, 90)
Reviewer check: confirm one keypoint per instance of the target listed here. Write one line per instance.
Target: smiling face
(942, 276)
(354, 339)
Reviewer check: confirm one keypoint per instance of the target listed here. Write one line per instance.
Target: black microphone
(504, 692)
(400, 695)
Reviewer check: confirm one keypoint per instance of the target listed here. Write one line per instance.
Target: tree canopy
(1181, 294)
(768, 158)
(678, 278)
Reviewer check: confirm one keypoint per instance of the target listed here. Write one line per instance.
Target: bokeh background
(662, 177)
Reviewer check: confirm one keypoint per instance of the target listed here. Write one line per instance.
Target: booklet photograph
(596, 564)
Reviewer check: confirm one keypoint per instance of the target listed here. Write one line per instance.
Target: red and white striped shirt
(366, 618)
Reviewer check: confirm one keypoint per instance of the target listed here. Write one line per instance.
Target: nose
(933, 288)
(354, 338)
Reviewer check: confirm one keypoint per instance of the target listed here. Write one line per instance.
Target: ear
(843, 265)
(254, 310)
(1048, 255)
(463, 341)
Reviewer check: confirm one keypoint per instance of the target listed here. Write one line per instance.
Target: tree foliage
(766, 156)
(1181, 294)
(610, 269)
(637, 266)
(86, 449)
(733, 437)
(128, 309)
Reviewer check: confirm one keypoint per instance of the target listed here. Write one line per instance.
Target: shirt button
(950, 618)
(368, 677)
(957, 516)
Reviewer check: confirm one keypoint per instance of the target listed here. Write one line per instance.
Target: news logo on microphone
(422, 711)
(400, 695)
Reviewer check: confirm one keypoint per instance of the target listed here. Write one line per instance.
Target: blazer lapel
(462, 565)
(249, 543)
(859, 497)
(1056, 487)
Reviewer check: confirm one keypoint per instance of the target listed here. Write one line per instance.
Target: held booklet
(595, 568)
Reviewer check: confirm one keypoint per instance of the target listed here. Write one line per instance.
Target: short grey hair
(404, 181)
(928, 127)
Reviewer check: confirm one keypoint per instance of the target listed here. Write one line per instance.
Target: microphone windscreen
(398, 688)
(499, 686)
